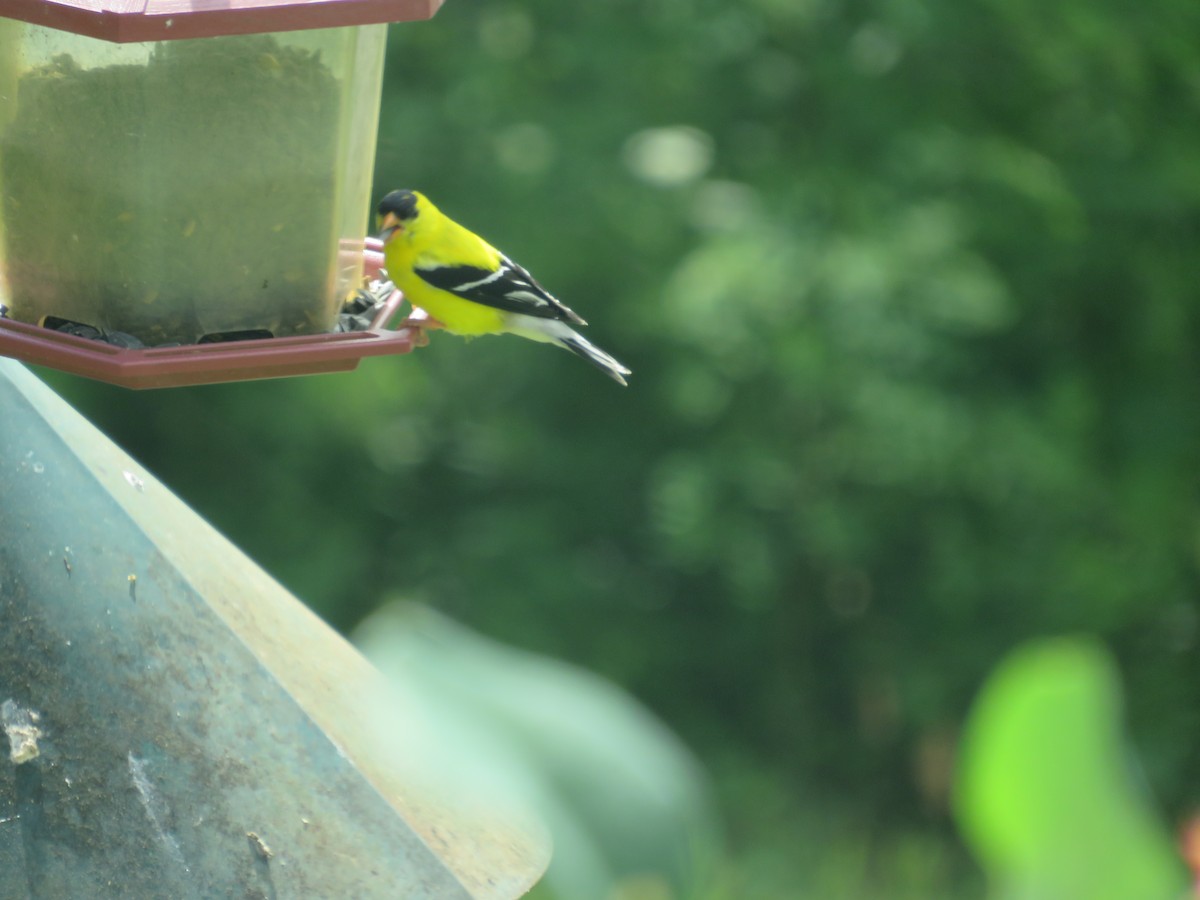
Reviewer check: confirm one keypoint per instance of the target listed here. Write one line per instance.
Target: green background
(909, 290)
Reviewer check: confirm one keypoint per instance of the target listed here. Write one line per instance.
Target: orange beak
(388, 225)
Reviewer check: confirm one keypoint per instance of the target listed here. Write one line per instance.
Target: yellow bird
(468, 286)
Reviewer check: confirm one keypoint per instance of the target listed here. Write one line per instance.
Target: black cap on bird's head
(395, 212)
(401, 204)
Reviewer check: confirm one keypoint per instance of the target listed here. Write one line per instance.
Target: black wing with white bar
(509, 288)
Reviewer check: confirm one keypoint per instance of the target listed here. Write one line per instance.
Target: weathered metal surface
(178, 725)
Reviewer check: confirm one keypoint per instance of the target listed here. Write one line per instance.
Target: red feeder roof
(126, 21)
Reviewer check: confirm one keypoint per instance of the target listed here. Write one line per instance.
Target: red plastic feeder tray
(192, 364)
(198, 363)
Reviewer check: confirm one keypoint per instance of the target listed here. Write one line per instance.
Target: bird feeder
(184, 186)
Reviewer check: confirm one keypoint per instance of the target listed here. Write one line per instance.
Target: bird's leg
(420, 322)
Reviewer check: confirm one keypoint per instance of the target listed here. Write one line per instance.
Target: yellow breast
(453, 242)
(458, 315)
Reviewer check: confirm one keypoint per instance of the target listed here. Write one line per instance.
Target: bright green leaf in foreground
(1047, 798)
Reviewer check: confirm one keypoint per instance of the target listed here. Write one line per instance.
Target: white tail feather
(553, 331)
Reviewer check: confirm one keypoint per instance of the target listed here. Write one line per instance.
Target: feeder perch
(184, 187)
(173, 723)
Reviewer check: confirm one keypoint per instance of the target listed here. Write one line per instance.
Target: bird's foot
(420, 322)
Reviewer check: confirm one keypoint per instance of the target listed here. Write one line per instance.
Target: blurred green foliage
(909, 291)
(623, 800)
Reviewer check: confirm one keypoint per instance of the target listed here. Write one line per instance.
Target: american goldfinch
(468, 286)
